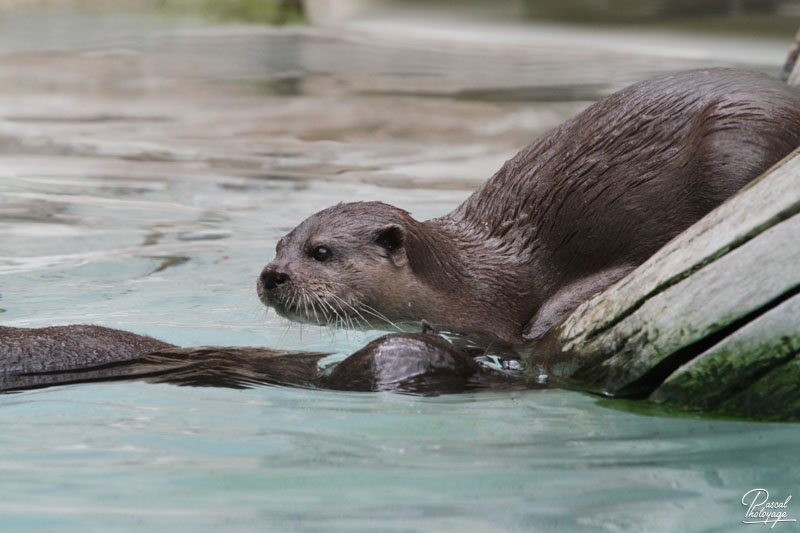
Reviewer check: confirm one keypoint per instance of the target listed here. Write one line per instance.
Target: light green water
(143, 185)
(124, 457)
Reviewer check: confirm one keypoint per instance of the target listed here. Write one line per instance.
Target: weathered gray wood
(705, 317)
(722, 292)
(736, 362)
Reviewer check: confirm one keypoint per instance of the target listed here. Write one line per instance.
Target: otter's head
(346, 265)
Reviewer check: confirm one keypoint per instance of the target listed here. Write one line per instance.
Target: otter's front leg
(405, 362)
(558, 306)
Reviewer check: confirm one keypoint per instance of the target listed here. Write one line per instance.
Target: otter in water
(401, 362)
(566, 217)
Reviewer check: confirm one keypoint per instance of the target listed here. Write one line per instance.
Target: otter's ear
(427, 328)
(392, 238)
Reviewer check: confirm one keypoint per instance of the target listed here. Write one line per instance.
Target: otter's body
(401, 362)
(58, 348)
(566, 217)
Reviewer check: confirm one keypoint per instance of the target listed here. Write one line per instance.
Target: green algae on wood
(736, 362)
(737, 284)
(742, 282)
(777, 392)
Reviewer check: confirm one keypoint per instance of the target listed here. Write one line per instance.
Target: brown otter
(401, 362)
(567, 216)
(55, 348)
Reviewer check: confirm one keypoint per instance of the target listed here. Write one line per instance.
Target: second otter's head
(347, 265)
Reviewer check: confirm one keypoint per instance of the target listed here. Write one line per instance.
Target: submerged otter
(567, 216)
(401, 362)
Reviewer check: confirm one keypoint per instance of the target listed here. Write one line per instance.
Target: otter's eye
(321, 254)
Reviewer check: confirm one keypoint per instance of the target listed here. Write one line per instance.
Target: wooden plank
(738, 361)
(723, 286)
(730, 288)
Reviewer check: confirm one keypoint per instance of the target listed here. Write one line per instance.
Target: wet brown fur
(402, 362)
(566, 217)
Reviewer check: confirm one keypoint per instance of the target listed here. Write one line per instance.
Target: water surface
(147, 170)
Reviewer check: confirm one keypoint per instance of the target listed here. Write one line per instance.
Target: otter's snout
(271, 277)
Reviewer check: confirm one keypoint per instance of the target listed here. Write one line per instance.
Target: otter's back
(621, 178)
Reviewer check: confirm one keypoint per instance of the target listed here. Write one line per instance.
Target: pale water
(143, 185)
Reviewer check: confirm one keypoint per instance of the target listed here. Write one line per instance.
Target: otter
(422, 363)
(569, 215)
(58, 348)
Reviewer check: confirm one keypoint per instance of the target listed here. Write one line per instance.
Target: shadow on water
(169, 262)
(579, 92)
(564, 93)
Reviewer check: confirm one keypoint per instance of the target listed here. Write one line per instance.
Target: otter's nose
(271, 278)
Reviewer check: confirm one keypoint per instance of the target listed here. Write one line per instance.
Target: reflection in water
(169, 262)
(557, 93)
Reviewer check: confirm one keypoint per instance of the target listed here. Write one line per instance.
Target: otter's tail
(791, 69)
